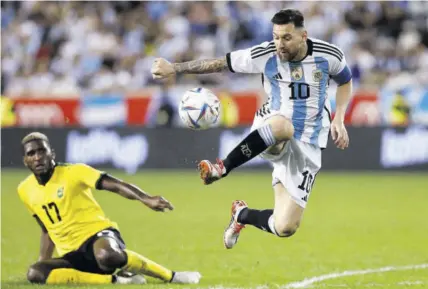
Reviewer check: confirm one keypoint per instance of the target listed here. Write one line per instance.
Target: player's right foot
(210, 172)
(186, 277)
(231, 234)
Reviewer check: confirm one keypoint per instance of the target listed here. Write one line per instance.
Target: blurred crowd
(69, 48)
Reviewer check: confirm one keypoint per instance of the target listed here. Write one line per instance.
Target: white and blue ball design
(199, 108)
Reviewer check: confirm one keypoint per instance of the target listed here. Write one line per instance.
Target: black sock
(172, 278)
(254, 144)
(257, 218)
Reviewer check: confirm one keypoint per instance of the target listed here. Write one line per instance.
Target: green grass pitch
(352, 222)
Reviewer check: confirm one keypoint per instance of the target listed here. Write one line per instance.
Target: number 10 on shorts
(308, 181)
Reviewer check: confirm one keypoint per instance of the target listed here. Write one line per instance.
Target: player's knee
(36, 275)
(286, 229)
(282, 128)
(109, 258)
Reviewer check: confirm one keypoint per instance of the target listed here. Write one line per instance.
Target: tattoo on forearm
(201, 66)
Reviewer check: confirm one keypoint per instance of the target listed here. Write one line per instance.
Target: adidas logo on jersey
(277, 76)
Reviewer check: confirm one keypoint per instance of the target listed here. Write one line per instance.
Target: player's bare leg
(275, 130)
(108, 254)
(283, 221)
(110, 257)
(287, 214)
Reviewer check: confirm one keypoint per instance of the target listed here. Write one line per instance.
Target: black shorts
(83, 259)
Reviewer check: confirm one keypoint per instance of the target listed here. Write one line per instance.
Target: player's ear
(305, 35)
(24, 162)
(53, 154)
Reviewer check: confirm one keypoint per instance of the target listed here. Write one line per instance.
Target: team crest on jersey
(317, 75)
(297, 73)
(60, 192)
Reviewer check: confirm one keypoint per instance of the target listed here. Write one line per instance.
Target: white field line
(308, 282)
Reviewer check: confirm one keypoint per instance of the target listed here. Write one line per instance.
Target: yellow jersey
(66, 206)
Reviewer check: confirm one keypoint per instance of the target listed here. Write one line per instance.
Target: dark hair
(286, 16)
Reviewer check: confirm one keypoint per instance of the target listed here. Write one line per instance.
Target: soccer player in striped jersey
(291, 128)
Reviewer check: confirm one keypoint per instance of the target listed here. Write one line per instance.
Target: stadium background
(80, 72)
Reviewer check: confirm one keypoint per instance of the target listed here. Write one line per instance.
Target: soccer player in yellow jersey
(89, 245)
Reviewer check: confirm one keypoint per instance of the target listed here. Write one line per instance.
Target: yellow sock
(66, 275)
(138, 264)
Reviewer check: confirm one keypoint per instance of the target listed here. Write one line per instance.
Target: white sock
(266, 134)
(271, 223)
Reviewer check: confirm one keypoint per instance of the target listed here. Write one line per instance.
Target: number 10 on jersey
(299, 90)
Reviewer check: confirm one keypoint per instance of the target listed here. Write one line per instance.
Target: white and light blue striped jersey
(297, 89)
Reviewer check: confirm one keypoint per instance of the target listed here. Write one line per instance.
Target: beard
(287, 55)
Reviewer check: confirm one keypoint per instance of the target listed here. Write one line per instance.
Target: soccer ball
(199, 108)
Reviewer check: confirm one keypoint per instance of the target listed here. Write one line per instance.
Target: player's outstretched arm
(338, 130)
(162, 68)
(112, 184)
(46, 245)
(202, 66)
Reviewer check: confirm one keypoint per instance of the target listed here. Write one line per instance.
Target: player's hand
(159, 204)
(162, 68)
(339, 134)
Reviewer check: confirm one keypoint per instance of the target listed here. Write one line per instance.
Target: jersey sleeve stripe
(229, 62)
(257, 49)
(326, 46)
(329, 48)
(328, 52)
(261, 48)
(263, 53)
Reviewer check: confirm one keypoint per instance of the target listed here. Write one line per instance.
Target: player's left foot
(231, 234)
(134, 279)
(210, 172)
(186, 277)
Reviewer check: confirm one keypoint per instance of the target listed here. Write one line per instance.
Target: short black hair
(287, 16)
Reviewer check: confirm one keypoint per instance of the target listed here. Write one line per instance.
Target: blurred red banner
(363, 109)
(46, 112)
(138, 106)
